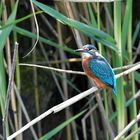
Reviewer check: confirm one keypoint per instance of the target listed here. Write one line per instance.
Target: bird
(97, 68)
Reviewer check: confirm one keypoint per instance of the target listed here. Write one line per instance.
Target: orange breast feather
(98, 82)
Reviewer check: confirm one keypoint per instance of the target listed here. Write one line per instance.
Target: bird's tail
(115, 91)
(114, 88)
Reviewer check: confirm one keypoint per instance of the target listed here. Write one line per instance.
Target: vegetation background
(113, 27)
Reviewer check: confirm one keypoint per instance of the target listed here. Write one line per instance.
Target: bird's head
(88, 51)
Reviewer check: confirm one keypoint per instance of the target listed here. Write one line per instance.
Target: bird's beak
(80, 50)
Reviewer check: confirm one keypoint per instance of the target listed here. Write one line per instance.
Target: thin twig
(25, 112)
(128, 127)
(35, 79)
(128, 71)
(137, 53)
(11, 76)
(132, 66)
(70, 60)
(22, 105)
(52, 68)
(74, 60)
(84, 120)
(103, 114)
(47, 23)
(126, 67)
(37, 29)
(52, 72)
(137, 131)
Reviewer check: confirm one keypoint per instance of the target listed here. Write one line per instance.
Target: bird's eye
(89, 49)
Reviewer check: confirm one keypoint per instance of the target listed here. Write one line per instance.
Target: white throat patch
(86, 55)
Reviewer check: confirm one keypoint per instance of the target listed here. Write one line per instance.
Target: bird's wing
(102, 70)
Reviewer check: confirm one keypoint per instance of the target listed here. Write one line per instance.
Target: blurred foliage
(63, 27)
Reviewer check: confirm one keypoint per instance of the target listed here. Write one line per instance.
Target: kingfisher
(97, 68)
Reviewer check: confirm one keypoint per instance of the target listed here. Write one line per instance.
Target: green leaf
(125, 24)
(42, 39)
(136, 32)
(92, 17)
(61, 126)
(20, 20)
(3, 37)
(137, 76)
(125, 27)
(2, 84)
(5, 32)
(132, 99)
(92, 32)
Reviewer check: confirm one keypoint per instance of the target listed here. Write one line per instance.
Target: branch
(71, 71)
(11, 76)
(128, 71)
(54, 69)
(25, 112)
(126, 66)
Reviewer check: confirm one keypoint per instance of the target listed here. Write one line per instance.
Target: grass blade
(5, 32)
(61, 126)
(132, 108)
(19, 20)
(137, 76)
(136, 32)
(120, 89)
(42, 39)
(96, 34)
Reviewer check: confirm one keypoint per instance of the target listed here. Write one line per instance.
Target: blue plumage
(102, 70)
